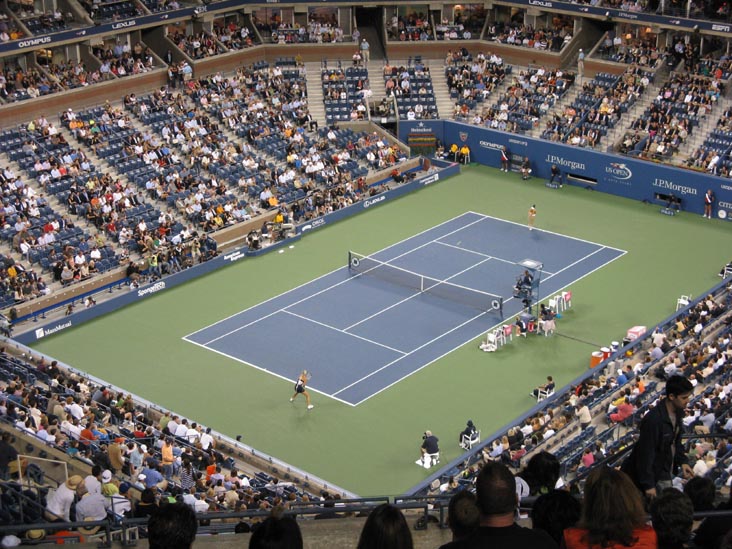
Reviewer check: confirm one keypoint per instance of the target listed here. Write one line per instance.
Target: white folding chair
(543, 394)
(468, 442)
(567, 297)
(489, 345)
(683, 302)
(428, 460)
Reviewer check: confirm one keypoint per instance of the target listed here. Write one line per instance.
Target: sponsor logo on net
(490, 145)
(372, 201)
(314, 225)
(671, 186)
(620, 173)
(151, 289)
(41, 332)
(560, 161)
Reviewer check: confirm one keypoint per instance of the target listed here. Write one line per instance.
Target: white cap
(106, 475)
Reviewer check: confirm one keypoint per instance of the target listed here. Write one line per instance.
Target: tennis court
(365, 327)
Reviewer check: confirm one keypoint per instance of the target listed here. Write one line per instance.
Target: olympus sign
(671, 186)
(34, 42)
(373, 201)
(490, 145)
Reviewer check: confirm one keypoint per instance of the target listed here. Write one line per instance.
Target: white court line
(504, 321)
(411, 352)
(415, 295)
(481, 217)
(344, 332)
(382, 310)
(326, 274)
(328, 288)
(480, 254)
(237, 359)
(551, 232)
(575, 263)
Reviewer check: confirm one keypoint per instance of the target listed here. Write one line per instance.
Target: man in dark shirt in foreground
(497, 502)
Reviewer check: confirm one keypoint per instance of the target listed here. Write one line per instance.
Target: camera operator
(429, 444)
(253, 239)
(397, 176)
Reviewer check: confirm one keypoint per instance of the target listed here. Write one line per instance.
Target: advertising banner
(608, 173)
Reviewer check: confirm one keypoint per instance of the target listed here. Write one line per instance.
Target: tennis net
(364, 265)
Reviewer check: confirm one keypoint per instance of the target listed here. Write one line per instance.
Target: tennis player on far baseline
(300, 388)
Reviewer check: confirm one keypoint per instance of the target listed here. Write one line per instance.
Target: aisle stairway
(315, 91)
(445, 104)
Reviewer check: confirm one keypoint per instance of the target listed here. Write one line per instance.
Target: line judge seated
(430, 449)
(547, 388)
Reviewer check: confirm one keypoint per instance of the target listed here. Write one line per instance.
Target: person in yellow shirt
(454, 151)
(532, 216)
(167, 458)
(464, 154)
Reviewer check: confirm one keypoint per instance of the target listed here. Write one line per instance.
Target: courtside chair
(543, 394)
(468, 442)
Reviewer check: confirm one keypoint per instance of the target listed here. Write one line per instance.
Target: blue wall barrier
(608, 173)
(40, 329)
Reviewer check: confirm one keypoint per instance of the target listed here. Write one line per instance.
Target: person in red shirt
(623, 412)
(613, 515)
(87, 435)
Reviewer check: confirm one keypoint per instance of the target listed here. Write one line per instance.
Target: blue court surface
(360, 334)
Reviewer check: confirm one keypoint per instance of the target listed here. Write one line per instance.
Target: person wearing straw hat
(91, 506)
(300, 388)
(58, 503)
